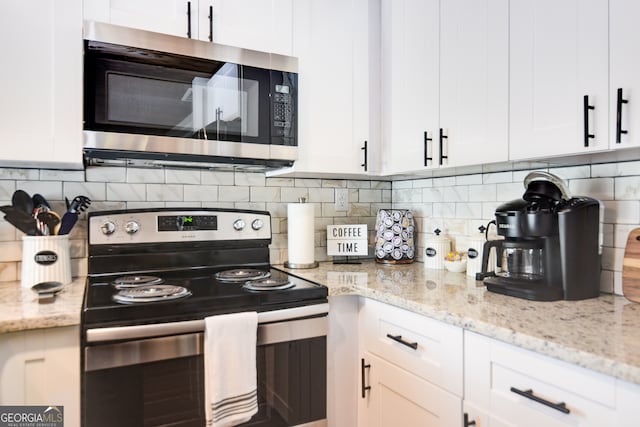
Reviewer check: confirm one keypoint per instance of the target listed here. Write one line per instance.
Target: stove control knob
(257, 224)
(108, 228)
(131, 227)
(239, 224)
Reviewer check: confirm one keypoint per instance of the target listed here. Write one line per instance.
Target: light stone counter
(20, 310)
(601, 334)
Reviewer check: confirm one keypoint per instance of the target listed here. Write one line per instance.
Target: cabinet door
(474, 91)
(410, 84)
(175, 17)
(624, 56)
(41, 83)
(558, 55)
(333, 85)
(264, 25)
(399, 398)
(42, 367)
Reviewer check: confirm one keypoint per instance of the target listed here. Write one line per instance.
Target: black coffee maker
(551, 249)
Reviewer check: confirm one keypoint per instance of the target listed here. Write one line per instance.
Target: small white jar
(436, 248)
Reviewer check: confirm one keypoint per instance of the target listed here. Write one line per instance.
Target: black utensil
(23, 222)
(22, 201)
(78, 204)
(40, 202)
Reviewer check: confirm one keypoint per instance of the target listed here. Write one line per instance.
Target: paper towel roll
(301, 231)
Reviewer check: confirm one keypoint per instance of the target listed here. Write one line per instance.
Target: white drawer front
(425, 347)
(523, 388)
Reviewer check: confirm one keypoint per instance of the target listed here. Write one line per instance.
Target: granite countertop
(601, 334)
(21, 310)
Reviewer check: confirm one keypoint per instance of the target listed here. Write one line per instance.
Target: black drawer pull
(619, 101)
(427, 159)
(398, 338)
(363, 383)
(364, 148)
(586, 109)
(210, 23)
(188, 19)
(442, 138)
(562, 407)
(466, 422)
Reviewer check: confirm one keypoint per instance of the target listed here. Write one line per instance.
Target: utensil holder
(394, 236)
(45, 259)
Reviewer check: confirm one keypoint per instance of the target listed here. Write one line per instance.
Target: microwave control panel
(283, 107)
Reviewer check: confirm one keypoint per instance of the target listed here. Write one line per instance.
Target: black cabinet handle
(189, 19)
(619, 130)
(466, 421)
(210, 23)
(364, 149)
(398, 338)
(363, 383)
(426, 148)
(562, 407)
(586, 109)
(442, 138)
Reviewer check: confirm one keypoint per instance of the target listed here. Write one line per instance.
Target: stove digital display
(187, 222)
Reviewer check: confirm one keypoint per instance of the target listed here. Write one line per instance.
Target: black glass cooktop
(208, 296)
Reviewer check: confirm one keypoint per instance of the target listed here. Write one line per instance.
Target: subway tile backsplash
(458, 205)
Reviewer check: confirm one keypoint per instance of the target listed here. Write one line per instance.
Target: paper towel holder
(293, 265)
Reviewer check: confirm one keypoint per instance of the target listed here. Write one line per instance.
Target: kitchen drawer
(497, 371)
(436, 348)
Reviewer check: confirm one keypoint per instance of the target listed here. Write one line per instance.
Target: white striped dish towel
(230, 368)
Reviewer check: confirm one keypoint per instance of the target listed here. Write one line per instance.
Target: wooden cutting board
(631, 267)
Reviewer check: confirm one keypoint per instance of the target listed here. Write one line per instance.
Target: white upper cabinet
(624, 56)
(41, 83)
(253, 24)
(558, 77)
(336, 87)
(264, 25)
(410, 85)
(174, 17)
(474, 81)
(444, 83)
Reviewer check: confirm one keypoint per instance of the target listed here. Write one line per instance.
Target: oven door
(159, 381)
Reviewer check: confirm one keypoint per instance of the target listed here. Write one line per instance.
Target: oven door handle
(135, 352)
(97, 335)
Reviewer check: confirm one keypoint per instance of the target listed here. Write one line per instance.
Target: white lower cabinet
(410, 369)
(516, 387)
(397, 397)
(42, 367)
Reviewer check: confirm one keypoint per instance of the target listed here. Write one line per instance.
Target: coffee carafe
(551, 246)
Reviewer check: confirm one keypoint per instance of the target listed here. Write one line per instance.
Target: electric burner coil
(150, 293)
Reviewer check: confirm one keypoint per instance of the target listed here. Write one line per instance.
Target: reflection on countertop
(21, 310)
(602, 334)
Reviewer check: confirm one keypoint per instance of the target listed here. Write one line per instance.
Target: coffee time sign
(347, 240)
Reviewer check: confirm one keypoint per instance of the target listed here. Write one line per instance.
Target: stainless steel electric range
(153, 277)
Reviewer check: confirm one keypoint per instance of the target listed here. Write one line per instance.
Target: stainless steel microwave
(163, 99)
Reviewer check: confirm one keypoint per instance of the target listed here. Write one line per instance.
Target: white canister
(45, 259)
(436, 248)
